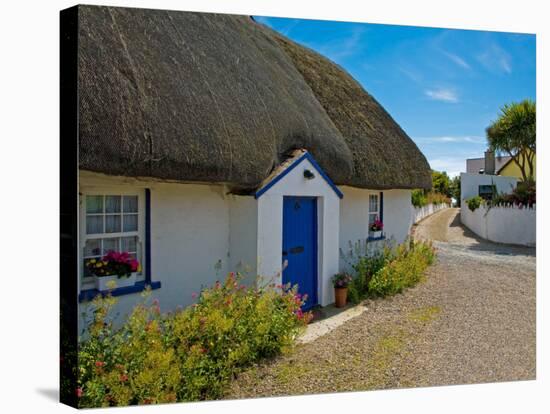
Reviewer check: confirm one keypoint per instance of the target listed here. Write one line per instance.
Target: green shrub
(418, 198)
(365, 267)
(406, 269)
(188, 355)
(421, 198)
(437, 198)
(474, 202)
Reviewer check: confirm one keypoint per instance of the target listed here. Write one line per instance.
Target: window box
(375, 234)
(103, 283)
(140, 286)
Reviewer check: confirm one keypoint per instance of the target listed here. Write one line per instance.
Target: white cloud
(411, 74)
(458, 60)
(442, 94)
(496, 59)
(452, 165)
(341, 48)
(457, 139)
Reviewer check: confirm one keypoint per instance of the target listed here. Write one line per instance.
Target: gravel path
(471, 321)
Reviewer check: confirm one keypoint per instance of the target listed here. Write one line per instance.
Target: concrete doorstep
(332, 318)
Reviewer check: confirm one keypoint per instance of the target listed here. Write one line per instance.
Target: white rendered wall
(243, 234)
(190, 233)
(270, 227)
(510, 225)
(354, 208)
(397, 214)
(469, 184)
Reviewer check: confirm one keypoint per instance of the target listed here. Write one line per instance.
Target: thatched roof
(200, 97)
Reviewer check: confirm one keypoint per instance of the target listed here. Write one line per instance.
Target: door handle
(297, 249)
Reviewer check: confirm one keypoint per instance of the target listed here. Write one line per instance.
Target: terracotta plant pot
(341, 296)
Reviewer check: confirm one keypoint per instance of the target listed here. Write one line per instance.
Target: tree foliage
(454, 189)
(441, 183)
(514, 133)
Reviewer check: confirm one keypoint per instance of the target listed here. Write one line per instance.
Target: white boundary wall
(419, 213)
(512, 225)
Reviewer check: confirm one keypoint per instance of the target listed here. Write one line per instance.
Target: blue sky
(443, 86)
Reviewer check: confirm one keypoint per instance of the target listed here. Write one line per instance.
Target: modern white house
(210, 144)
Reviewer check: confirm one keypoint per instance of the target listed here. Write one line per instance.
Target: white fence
(419, 213)
(512, 225)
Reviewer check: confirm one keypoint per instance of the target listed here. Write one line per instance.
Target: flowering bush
(377, 225)
(405, 269)
(524, 195)
(121, 264)
(190, 354)
(341, 280)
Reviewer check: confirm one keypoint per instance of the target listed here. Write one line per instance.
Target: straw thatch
(199, 97)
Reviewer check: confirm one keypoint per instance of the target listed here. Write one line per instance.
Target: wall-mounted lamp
(308, 174)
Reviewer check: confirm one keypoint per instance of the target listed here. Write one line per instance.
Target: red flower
(99, 364)
(124, 377)
(79, 392)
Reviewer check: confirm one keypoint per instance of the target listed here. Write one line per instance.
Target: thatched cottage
(210, 143)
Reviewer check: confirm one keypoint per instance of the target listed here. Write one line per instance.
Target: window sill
(89, 294)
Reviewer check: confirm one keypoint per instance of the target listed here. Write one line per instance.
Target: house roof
(200, 97)
(295, 158)
(473, 165)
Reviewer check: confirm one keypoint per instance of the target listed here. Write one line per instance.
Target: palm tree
(514, 133)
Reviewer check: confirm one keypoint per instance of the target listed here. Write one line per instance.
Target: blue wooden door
(300, 246)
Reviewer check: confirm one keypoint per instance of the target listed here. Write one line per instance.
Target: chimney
(489, 162)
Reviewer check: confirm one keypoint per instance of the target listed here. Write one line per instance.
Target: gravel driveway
(471, 321)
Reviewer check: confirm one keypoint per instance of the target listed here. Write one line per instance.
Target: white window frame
(88, 282)
(375, 213)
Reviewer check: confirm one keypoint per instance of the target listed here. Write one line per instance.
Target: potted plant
(375, 229)
(117, 267)
(341, 281)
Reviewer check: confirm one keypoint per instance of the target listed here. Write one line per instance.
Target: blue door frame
(300, 246)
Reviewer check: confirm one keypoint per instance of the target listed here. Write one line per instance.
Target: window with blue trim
(111, 219)
(374, 208)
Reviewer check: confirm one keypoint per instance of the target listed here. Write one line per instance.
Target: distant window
(486, 191)
(374, 208)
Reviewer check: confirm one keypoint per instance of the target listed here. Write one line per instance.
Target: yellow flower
(99, 264)
(92, 261)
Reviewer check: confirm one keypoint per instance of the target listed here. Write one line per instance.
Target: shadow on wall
(482, 245)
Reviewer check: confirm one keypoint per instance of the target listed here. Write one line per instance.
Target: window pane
(372, 217)
(112, 224)
(94, 204)
(373, 203)
(130, 204)
(130, 222)
(92, 248)
(129, 244)
(110, 244)
(112, 204)
(94, 224)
